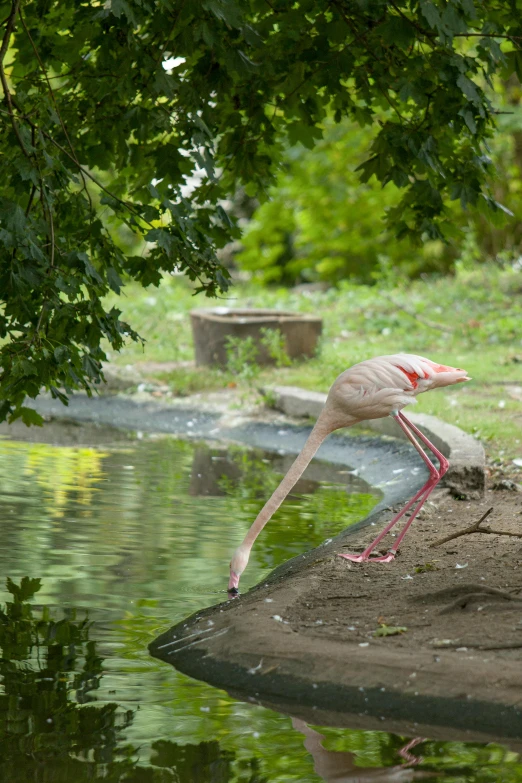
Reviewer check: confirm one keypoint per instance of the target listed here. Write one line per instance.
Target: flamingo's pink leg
(387, 558)
(409, 757)
(444, 465)
(420, 498)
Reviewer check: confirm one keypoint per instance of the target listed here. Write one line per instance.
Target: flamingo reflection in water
(339, 766)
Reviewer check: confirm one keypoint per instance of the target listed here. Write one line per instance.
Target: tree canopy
(143, 116)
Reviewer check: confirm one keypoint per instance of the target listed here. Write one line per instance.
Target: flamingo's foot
(384, 558)
(365, 557)
(354, 558)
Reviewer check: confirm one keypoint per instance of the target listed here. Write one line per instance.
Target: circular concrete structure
(211, 329)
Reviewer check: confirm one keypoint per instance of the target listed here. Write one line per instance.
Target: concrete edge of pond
(365, 456)
(466, 474)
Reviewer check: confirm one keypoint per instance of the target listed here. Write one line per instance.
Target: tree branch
(487, 35)
(427, 33)
(475, 528)
(15, 7)
(51, 92)
(362, 37)
(87, 173)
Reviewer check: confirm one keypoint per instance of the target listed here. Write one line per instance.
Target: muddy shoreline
(304, 641)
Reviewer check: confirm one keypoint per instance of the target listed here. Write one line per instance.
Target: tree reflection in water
(50, 733)
(52, 729)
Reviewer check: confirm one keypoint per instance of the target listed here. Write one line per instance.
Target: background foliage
(322, 223)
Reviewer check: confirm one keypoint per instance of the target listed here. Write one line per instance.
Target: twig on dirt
(475, 528)
(419, 318)
(470, 646)
(464, 600)
(455, 591)
(501, 532)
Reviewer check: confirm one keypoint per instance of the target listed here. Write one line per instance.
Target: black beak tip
(233, 591)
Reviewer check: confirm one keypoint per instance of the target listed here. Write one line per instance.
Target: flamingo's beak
(233, 582)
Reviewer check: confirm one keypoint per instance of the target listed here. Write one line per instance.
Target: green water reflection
(127, 539)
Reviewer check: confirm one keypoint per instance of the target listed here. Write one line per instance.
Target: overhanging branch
(15, 7)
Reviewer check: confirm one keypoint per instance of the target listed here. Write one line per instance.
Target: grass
(479, 311)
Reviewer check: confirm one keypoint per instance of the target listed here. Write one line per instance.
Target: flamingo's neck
(325, 424)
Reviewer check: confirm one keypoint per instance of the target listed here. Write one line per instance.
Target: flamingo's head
(237, 566)
(447, 376)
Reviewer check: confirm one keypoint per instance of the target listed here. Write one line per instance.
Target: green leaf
(27, 367)
(431, 13)
(30, 416)
(452, 21)
(163, 238)
(425, 568)
(59, 395)
(13, 217)
(469, 89)
(224, 216)
(91, 271)
(375, 166)
(27, 589)
(122, 8)
(397, 30)
(497, 206)
(225, 10)
(469, 120)
(389, 630)
(298, 133)
(469, 8)
(61, 353)
(114, 280)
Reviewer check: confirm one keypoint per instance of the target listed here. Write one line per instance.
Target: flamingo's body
(372, 389)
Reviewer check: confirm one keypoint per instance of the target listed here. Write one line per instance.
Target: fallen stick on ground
(475, 528)
(472, 646)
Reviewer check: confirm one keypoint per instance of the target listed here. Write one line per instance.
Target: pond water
(127, 537)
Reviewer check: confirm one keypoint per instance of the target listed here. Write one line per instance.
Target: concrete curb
(392, 467)
(466, 476)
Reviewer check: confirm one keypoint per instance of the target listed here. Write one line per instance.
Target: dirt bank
(466, 593)
(312, 639)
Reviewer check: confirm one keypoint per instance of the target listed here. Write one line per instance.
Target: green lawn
(480, 312)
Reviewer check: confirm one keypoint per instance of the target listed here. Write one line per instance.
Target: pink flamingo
(372, 389)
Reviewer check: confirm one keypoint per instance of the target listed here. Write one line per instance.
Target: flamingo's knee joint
(444, 465)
